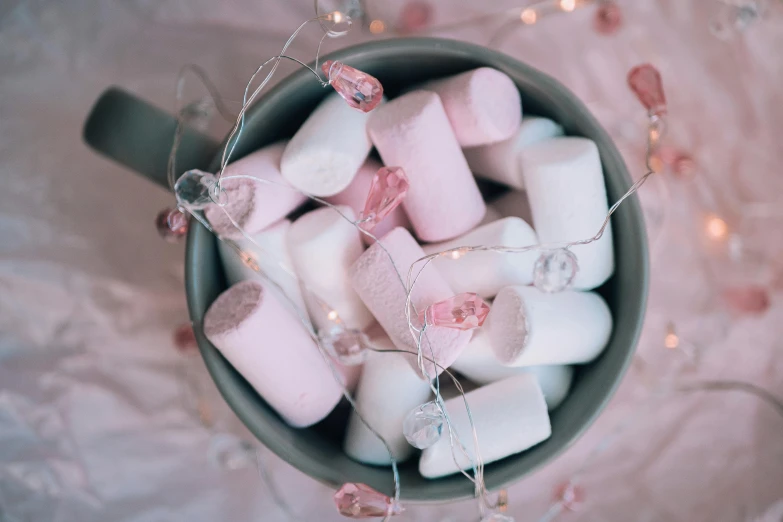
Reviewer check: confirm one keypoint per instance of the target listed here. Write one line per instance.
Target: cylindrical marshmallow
(355, 196)
(328, 149)
(483, 105)
(273, 352)
(565, 185)
(485, 273)
(323, 246)
(528, 327)
(492, 214)
(509, 416)
(513, 203)
(478, 363)
(388, 390)
(499, 161)
(254, 205)
(413, 132)
(270, 249)
(375, 278)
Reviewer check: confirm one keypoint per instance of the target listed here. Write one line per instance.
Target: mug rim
(200, 239)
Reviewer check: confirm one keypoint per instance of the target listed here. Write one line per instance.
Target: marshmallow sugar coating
(323, 246)
(478, 363)
(328, 149)
(253, 205)
(509, 416)
(564, 181)
(378, 284)
(483, 105)
(355, 196)
(265, 343)
(499, 161)
(485, 273)
(528, 327)
(388, 390)
(413, 132)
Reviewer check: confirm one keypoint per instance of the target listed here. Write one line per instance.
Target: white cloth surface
(93, 425)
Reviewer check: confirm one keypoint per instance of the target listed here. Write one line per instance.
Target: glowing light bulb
(567, 5)
(377, 26)
(671, 341)
(529, 16)
(337, 17)
(249, 261)
(457, 253)
(716, 227)
(333, 315)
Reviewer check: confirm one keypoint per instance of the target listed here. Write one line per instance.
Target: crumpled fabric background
(93, 424)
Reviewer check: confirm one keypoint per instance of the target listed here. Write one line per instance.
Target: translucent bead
(733, 18)
(387, 190)
(172, 224)
(645, 81)
(337, 16)
(555, 270)
(423, 426)
(354, 500)
(608, 17)
(747, 300)
(359, 89)
(228, 452)
(346, 346)
(570, 496)
(497, 517)
(185, 339)
(464, 311)
(415, 16)
(196, 189)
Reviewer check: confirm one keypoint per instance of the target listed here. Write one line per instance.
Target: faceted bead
(497, 517)
(355, 500)
(750, 300)
(172, 224)
(196, 189)
(645, 82)
(360, 90)
(608, 17)
(346, 346)
(387, 190)
(570, 496)
(185, 339)
(423, 425)
(463, 312)
(683, 165)
(555, 270)
(732, 19)
(230, 453)
(415, 16)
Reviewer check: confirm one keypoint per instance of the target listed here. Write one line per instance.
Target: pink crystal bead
(608, 17)
(749, 300)
(361, 501)
(463, 312)
(415, 16)
(172, 224)
(645, 82)
(360, 90)
(570, 496)
(387, 190)
(185, 339)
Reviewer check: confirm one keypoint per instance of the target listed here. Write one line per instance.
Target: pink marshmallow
(483, 105)
(413, 132)
(375, 280)
(273, 351)
(355, 196)
(254, 205)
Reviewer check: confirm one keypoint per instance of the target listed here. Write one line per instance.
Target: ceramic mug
(139, 136)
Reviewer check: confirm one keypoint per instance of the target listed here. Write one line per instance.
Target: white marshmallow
(528, 327)
(326, 152)
(509, 416)
(388, 389)
(323, 245)
(479, 364)
(513, 203)
(485, 273)
(565, 185)
(498, 161)
(273, 259)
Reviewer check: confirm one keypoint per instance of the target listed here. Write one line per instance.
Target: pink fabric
(378, 284)
(413, 132)
(268, 345)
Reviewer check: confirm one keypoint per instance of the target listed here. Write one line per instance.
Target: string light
(529, 16)
(567, 5)
(377, 26)
(333, 316)
(672, 340)
(337, 17)
(716, 228)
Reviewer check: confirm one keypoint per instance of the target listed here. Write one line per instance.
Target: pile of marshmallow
(441, 134)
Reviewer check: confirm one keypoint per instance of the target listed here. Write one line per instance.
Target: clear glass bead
(734, 17)
(555, 270)
(423, 426)
(344, 345)
(197, 189)
(228, 452)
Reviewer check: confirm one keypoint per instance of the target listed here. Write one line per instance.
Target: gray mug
(139, 136)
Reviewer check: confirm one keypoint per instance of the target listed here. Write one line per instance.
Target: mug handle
(139, 135)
